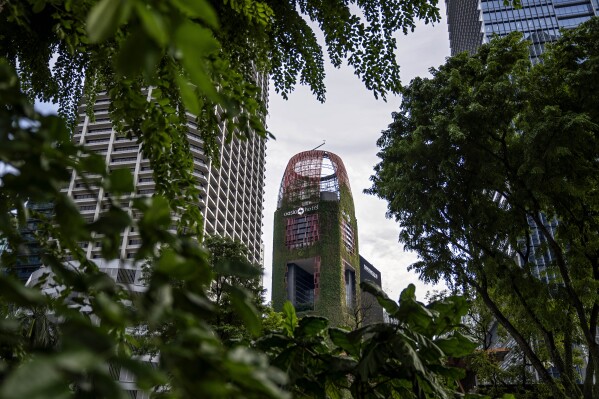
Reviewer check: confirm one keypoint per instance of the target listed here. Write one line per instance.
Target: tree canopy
(196, 55)
(491, 169)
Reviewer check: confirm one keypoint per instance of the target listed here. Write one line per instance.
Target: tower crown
(311, 176)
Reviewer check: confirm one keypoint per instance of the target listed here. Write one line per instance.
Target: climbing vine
(329, 248)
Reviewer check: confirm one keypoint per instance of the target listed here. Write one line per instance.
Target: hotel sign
(301, 210)
(371, 272)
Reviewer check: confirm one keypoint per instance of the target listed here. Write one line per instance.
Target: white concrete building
(231, 198)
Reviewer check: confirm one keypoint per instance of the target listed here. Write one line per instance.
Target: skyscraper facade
(474, 22)
(316, 263)
(231, 197)
(29, 254)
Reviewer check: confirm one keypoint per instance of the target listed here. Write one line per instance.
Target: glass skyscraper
(474, 22)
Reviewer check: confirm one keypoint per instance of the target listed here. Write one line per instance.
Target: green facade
(329, 255)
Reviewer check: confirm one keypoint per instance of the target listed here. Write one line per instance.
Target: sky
(351, 121)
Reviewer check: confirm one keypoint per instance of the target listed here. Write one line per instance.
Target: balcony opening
(301, 283)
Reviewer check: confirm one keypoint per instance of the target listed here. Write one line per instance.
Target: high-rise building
(231, 198)
(29, 254)
(316, 263)
(372, 311)
(231, 195)
(474, 22)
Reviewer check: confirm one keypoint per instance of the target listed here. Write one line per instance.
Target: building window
(125, 276)
(350, 286)
(301, 231)
(347, 234)
(300, 285)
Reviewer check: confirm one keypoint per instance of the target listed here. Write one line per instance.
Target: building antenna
(323, 143)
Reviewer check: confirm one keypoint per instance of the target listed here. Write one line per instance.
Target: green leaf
(311, 326)
(108, 310)
(238, 268)
(190, 99)
(106, 17)
(137, 54)
(153, 23)
(68, 217)
(196, 43)
(48, 382)
(290, 318)
(456, 345)
(374, 357)
(111, 222)
(120, 181)
(388, 304)
(240, 299)
(198, 9)
(75, 360)
(159, 212)
(345, 340)
(271, 341)
(176, 266)
(15, 292)
(409, 293)
(93, 163)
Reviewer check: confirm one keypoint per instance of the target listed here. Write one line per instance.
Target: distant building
(231, 195)
(372, 311)
(316, 262)
(474, 22)
(27, 258)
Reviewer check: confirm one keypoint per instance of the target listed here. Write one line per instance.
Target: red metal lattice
(311, 172)
(301, 231)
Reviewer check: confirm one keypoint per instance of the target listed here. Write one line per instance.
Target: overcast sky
(351, 121)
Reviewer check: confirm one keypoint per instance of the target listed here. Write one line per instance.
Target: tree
(233, 273)
(491, 167)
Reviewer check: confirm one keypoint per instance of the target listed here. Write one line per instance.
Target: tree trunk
(568, 379)
(588, 379)
(522, 343)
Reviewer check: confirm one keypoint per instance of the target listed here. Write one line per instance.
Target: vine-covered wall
(330, 301)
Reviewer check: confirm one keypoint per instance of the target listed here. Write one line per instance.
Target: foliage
(232, 276)
(405, 359)
(195, 55)
(491, 167)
